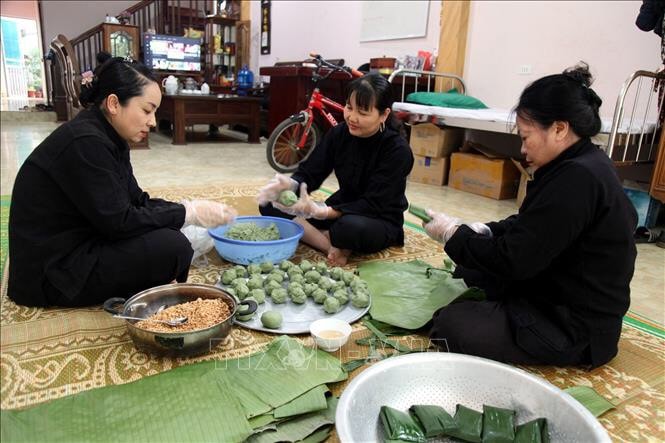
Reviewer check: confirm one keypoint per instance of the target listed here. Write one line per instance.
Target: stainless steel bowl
(446, 379)
(177, 344)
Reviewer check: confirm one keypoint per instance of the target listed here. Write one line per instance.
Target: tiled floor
(165, 165)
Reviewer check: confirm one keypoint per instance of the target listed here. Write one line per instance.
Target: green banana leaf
(310, 401)
(434, 420)
(398, 425)
(207, 401)
(318, 436)
(590, 399)
(534, 431)
(498, 425)
(267, 380)
(300, 427)
(185, 404)
(407, 294)
(263, 421)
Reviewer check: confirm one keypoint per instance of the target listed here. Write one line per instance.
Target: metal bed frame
(626, 148)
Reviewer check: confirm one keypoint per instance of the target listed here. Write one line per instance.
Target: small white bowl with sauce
(330, 333)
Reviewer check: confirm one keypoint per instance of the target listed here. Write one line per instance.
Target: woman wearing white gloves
(81, 230)
(557, 275)
(371, 161)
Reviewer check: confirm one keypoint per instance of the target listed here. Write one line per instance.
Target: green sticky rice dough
(259, 295)
(266, 267)
(286, 265)
(306, 265)
(319, 296)
(278, 295)
(321, 267)
(360, 299)
(228, 276)
(255, 282)
(254, 268)
(297, 278)
(252, 232)
(298, 296)
(271, 319)
(342, 296)
(331, 305)
(287, 198)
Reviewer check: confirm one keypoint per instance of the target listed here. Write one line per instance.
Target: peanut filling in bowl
(201, 314)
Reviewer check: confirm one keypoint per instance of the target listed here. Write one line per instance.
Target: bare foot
(338, 257)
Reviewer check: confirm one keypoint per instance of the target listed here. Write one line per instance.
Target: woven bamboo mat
(49, 353)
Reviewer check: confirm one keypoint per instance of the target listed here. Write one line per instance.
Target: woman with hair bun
(81, 230)
(557, 274)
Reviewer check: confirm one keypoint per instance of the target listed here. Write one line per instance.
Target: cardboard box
(429, 170)
(430, 140)
(478, 174)
(525, 177)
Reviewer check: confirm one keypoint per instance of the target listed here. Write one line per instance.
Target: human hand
(208, 214)
(441, 227)
(305, 207)
(270, 192)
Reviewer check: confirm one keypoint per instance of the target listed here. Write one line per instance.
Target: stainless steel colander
(446, 379)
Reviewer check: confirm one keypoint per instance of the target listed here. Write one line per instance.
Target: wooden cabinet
(657, 189)
(226, 43)
(121, 40)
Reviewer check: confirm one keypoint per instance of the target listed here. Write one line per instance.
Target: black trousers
(484, 329)
(129, 266)
(358, 233)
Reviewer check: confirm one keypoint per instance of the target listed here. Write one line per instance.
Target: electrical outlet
(524, 70)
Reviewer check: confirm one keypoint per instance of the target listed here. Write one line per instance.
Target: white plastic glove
(270, 192)
(441, 227)
(305, 207)
(207, 214)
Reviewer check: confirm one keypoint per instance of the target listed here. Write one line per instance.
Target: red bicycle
(294, 139)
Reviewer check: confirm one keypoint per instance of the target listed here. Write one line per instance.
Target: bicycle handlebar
(319, 61)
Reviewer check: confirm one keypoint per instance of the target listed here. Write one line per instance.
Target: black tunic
(565, 260)
(371, 172)
(75, 193)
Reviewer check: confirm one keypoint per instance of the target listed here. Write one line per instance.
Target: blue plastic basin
(245, 252)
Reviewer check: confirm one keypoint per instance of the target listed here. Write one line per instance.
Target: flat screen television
(171, 52)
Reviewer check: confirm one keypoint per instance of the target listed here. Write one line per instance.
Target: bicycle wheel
(282, 151)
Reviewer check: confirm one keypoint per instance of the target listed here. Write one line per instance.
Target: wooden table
(183, 110)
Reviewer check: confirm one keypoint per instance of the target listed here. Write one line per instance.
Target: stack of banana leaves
(279, 394)
(407, 294)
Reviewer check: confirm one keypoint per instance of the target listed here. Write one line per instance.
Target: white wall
(72, 18)
(331, 28)
(551, 36)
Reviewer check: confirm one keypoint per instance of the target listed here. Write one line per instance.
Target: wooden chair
(70, 77)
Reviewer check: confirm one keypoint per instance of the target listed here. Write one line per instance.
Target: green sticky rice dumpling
(285, 265)
(309, 288)
(325, 283)
(287, 198)
(293, 285)
(319, 296)
(228, 276)
(297, 278)
(279, 295)
(498, 425)
(294, 270)
(347, 277)
(398, 425)
(312, 276)
(534, 431)
(271, 319)
(360, 299)
(336, 286)
(271, 285)
(255, 282)
(298, 296)
(241, 271)
(238, 281)
(253, 269)
(242, 291)
(306, 265)
(259, 295)
(240, 315)
(321, 267)
(468, 425)
(266, 267)
(434, 420)
(336, 273)
(277, 276)
(342, 296)
(331, 305)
